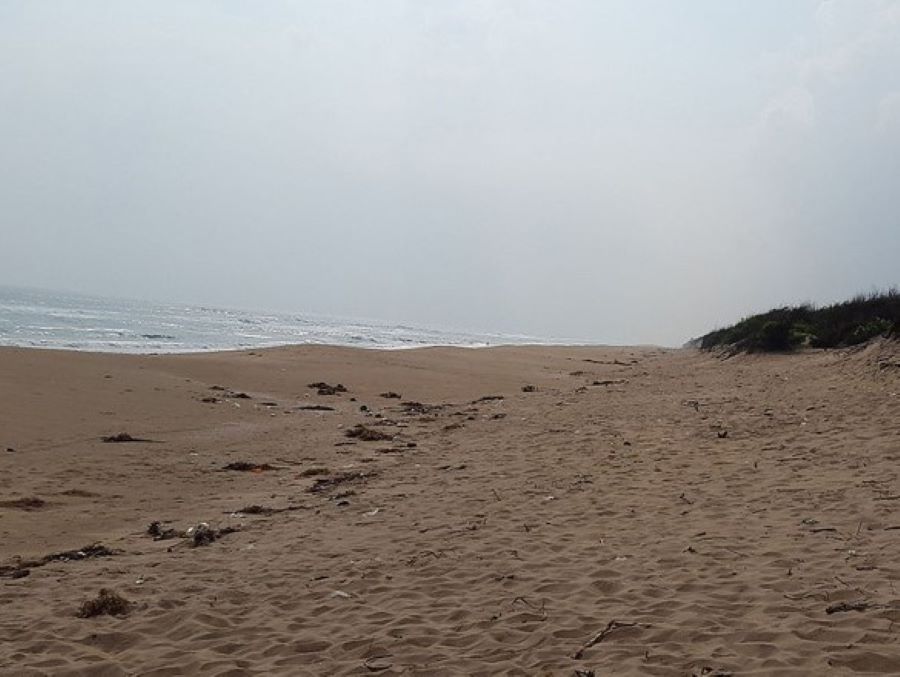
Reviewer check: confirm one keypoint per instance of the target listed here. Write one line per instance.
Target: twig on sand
(611, 627)
(125, 437)
(860, 605)
(842, 607)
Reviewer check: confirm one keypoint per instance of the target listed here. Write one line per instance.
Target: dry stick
(600, 636)
(287, 461)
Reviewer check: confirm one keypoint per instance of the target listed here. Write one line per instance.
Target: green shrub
(775, 335)
(840, 324)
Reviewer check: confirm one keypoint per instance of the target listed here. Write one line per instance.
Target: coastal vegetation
(843, 324)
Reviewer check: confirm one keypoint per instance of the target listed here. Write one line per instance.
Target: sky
(629, 171)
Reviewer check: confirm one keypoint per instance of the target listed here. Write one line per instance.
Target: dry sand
(611, 527)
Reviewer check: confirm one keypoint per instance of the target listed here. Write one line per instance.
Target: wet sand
(637, 511)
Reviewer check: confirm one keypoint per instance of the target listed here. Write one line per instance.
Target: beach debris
(10, 450)
(80, 493)
(377, 663)
(707, 671)
(88, 552)
(200, 534)
(842, 607)
(203, 534)
(248, 466)
(107, 603)
(391, 395)
(610, 382)
(584, 673)
(17, 570)
(255, 510)
(497, 417)
(419, 557)
(123, 437)
(209, 400)
(28, 503)
(314, 407)
(366, 434)
(323, 388)
(312, 472)
(20, 568)
(488, 398)
(611, 627)
(413, 408)
(529, 388)
(156, 530)
(266, 511)
(239, 396)
(722, 434)
(327, 483)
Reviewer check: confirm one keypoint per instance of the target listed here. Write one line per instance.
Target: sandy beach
(514, 511)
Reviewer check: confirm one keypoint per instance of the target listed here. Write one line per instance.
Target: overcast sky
(624, 172)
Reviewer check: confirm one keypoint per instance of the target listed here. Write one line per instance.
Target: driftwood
(611, 627)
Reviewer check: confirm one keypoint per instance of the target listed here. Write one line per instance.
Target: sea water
(44, 319)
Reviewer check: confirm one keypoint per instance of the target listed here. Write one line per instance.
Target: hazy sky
(628, 171)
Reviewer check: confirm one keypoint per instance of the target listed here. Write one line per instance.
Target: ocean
(45, 319)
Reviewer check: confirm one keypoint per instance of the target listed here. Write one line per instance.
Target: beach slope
(521, 511)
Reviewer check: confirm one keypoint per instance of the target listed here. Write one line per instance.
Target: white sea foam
(44, 319)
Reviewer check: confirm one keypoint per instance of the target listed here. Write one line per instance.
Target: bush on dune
(848, 323)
